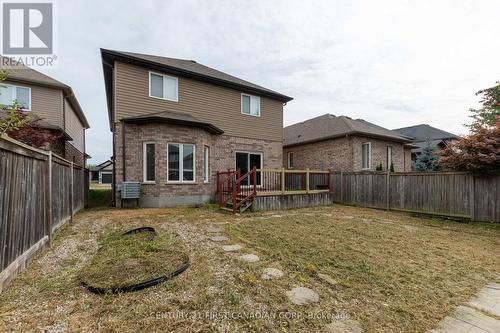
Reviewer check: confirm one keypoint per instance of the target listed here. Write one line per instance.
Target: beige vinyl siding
(47, 103)
(208, 102)
(74, 127)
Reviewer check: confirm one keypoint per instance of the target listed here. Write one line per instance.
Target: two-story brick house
(52, 101)
(340, 143)
(175, 123)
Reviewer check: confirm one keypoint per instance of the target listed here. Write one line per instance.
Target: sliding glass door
(246, 161)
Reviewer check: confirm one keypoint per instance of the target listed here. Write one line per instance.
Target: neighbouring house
(423, 134)
(176, 122)
(55, 103)
(340, 143)
(102, 173)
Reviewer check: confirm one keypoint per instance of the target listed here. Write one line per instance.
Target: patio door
(246, 161)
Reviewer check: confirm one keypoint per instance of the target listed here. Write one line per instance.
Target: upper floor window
(9, 93)
(250, 105)
(366, 155)
(163, 86)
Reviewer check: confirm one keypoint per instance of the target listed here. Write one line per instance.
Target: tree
(427, 160)
(489, 112)
(478, 152)
(12, 119)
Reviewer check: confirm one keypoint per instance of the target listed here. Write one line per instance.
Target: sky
(393, 63)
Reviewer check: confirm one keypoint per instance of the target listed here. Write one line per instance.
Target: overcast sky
(393, 63)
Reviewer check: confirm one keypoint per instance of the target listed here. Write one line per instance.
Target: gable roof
(101, 166)
(176, 118)
(329, 126)
(24, 74)
(180, 67)
(424, 132)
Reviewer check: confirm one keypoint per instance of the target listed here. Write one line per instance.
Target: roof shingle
(424, 132)
(329, 126)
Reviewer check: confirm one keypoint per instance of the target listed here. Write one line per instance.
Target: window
(250, 105)
(366, 155)
(149, 162)
(389, 157)
(181, 162)
(9, 93)
(206, 164)
(289, 158)
(163, 86)
(246, 161)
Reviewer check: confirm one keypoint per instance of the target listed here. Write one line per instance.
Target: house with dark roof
(340, 143)
(54, 103)
(176, 123)
(102, 173)
(424, 134)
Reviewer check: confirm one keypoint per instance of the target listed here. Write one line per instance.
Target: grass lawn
(393, 272)
(100, 197)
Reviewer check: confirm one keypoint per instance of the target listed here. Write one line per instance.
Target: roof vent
(331, 116)
(193, 61)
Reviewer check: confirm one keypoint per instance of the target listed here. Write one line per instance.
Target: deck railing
(291, 181)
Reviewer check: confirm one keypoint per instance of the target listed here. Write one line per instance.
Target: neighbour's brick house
(175, 123)
(424, 135)
(344, 144)
(55, 103)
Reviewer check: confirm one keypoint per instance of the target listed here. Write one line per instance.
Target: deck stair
(236, 192)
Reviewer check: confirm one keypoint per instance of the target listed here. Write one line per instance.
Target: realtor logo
(27, 28)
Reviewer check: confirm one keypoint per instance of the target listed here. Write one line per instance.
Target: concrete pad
(488, 299)
(344, 326)
(271, 273)
(232, 248)
(214, 229)
(302, 296)
(468, 320)
(249, 258)
(219, 239)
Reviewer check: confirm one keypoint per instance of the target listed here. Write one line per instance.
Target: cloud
(394, 63)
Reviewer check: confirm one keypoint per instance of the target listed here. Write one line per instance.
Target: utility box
(130, 190)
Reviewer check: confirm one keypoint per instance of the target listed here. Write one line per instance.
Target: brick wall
(324, 155)
(73, 154)
(222, 157)
(344, 154)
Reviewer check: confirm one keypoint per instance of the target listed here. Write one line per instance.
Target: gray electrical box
(130, 190)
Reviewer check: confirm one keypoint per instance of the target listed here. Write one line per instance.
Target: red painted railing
(236, 190)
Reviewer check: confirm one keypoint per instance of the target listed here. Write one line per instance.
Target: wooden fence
(455, 194)
(39, 192)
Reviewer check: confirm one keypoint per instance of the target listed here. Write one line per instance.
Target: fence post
(307, 180)
(72, 192)
(341, 186)
(472, 197)
(387, 189)
(329, 179)
(283, 188)
(49, 199)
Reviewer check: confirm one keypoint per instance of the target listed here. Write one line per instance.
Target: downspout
(123, 151)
